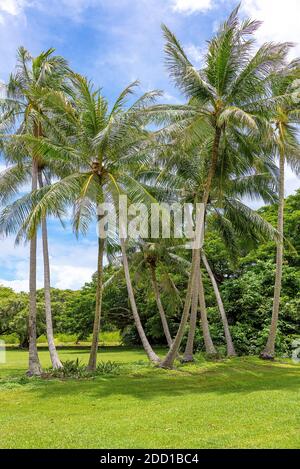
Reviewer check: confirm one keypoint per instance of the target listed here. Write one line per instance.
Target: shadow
(145, 382)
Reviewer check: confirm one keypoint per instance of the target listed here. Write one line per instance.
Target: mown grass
(106, 338)
(237, 403)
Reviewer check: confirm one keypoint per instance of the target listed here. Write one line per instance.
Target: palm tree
(164, 321)
(23, 113)
(230, 347)
(147, 256)
(184, 172)
(208, 343)
(287, 148)
(198, 298)
(151, 254)
(103, 146)
(230, 95)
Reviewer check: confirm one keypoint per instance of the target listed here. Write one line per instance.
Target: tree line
(220, 148)
(245, 282)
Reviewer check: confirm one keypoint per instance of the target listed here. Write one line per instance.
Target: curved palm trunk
(208, 343)
(170, 357)
(173, 352)
(56, 363)
(148, 349)
(269, 351)
(188, 355)
(34, 362)
(96, 329)
(229, 344)
(160, 306)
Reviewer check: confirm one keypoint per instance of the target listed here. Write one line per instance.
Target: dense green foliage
(247, 287)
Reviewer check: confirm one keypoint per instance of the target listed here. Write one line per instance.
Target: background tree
(231, 95)
(22, 112)
(287, 148)
(103, 146)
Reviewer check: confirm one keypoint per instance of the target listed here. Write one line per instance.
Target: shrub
(108, 368)
(130, 336)
(65, 338)
(76, 369)
(10, 339)
(42, 339)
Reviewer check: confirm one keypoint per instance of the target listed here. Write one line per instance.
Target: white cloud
(14, 261)
(292, 182)
(280, 23)
(72, 262)
(71, 276)
(195, 53)
(17, 285)
(13, 7)
(281, 19)
(70, 8)
(191, 6)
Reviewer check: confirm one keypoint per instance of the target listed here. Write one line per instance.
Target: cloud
(75, 8)
(13, 7)
(280, 23)
(195, 53)
(71, 276)
(281, 20)
(192, 6)
(72, 262)
(292, 181)
(16, 285)
(14, 261)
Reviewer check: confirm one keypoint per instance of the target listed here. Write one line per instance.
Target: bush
(108, 368)
(65, 338)
(76, 369)
(70, 369)
(10, 339)
(42, 339)
(130, 336)
(110, 338)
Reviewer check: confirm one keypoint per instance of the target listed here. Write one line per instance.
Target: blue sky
(115, 42)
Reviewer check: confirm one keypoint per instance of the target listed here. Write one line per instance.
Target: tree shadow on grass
(221, 378)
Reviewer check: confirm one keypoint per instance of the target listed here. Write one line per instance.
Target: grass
(106, 338)
(236, 403)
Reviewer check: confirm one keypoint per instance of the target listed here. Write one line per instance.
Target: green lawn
(237, 403)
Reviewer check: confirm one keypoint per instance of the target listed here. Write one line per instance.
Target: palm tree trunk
(269, 350)
(148, 349)
(56, 363)
(96, 329)
(213, 166)
(229, 344)
(173, 352)
(34, 362)
(208, 343)
(188, 355)
(160, 305)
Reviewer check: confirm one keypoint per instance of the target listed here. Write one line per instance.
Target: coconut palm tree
(152, 254)
(230, 95)
(230, 347)
(104, 145)
(146, 257)
(22, 113)
(184, 172)
(287, 148)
